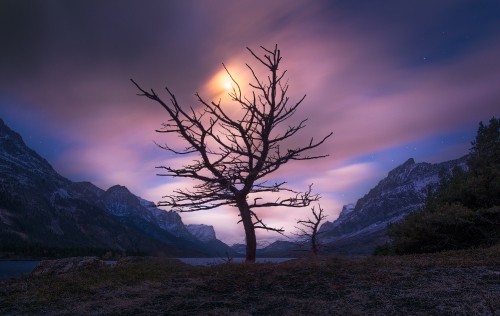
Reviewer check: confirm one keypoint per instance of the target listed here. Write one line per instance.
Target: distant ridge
(40, 209)
(361, 227)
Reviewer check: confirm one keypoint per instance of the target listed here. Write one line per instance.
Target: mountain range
(361, 227)
(40, 211)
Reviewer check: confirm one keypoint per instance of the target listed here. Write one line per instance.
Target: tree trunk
(251, 240)
(314, 246)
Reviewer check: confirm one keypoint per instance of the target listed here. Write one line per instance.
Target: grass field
(450, 283)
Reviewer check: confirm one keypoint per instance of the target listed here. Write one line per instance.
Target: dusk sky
(391, 79)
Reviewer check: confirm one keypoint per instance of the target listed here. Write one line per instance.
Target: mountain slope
(40, 208)
(165, 226)
(361, 228)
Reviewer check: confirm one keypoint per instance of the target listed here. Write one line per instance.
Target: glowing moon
(220, 84)
(227, 85)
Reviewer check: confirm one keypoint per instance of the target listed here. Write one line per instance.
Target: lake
(211, 261)
(16, 269)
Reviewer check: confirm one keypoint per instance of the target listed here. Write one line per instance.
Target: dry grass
(452, 283)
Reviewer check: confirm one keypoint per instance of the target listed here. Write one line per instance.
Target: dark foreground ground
(453, 283)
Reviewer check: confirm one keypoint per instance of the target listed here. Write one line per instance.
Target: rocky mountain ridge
(202, 232)
(40, 208)
(361, 227)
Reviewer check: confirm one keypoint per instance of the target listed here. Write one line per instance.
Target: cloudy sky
(392, 79)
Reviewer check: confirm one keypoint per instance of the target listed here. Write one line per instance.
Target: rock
(60, 266)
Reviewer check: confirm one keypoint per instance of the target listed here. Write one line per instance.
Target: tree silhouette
(308, 229)
(235, 152)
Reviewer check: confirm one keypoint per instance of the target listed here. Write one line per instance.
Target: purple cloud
(378, 75)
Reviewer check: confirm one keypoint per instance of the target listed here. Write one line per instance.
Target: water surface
(16, 269)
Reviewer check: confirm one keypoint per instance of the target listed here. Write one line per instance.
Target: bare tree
(309, 228)
(234, 155)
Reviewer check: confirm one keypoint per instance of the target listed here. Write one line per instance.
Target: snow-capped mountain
(361, 227)
(16, 157)
(202, 232)
(39, 207)
(167, 220)
(119, 201)
(346, 210)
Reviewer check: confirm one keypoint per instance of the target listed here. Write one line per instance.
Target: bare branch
(308, 228)
(233, 152)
